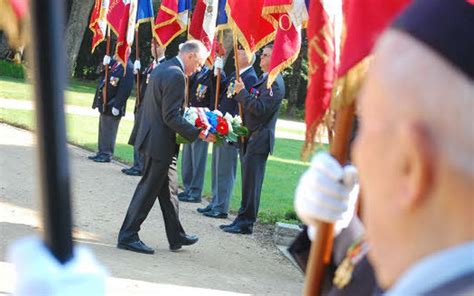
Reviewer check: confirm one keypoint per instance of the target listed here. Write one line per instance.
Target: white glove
(39, 273)
(218, 64)
(115, 111)
(106, 60)
(327, 192)
(136, 67)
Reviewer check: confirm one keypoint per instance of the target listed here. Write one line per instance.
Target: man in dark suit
(158, 54)
(261, 106)
(120, 84)
(194, 155)
(162, 119)
(224, 157)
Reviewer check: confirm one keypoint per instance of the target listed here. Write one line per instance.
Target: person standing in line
(261, 106)
(119, 87)
(224, 157)
(158, 54)
(156, 139)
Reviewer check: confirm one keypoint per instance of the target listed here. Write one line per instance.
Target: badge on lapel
(255, 93)
(114, 80)
(231, 89)
(201, 91)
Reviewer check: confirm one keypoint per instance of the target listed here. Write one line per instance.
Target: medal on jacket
(201, 91)
(254, 93)
(231, 89)
(354, 255)
(114, 80)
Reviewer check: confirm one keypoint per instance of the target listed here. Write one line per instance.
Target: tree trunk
(76, 25)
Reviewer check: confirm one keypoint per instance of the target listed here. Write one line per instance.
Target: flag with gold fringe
(288, 18)
(98, 22)
(144, 11)
(126, 32)
(171, 20)
(114, 15)
(245, 19)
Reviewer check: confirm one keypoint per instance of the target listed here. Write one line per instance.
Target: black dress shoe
(206, 209)
(189, 199)
(132, 172)
(228, 225)
(240, 229)
(102, 158)
(136, 246)
(185, 240)
(92, 157)
(182, 194)
(215, 214)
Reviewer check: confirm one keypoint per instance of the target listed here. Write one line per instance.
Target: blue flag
(144, 11)
(184, 5)
(221, 21)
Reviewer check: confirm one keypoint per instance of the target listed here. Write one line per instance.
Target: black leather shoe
(215, 214)
(92, 157)
(206, 209)
(227, 225)
(189, 199)
(136, 246)
(132, 172)
(185, 240)
(182, 194)
(239, 229)
(102, 158)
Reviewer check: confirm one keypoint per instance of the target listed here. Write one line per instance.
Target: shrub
(9, 69)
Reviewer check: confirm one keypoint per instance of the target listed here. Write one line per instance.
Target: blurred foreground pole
(47, 31)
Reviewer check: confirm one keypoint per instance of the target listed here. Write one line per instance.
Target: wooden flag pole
(186, 92)
(218, 79)
(137, 58)
(106, 79)
(237, 77)
(321, 248)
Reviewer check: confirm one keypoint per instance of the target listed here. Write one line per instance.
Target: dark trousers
(253, 172)
(159, 180)
(108, 126)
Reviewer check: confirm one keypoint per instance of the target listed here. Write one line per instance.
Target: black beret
(447, 26)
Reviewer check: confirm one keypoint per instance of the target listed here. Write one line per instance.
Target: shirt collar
(244, 69)
(449, 264)
(182, 64)
(161, 60)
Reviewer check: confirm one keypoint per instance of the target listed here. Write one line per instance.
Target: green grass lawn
(282, 172)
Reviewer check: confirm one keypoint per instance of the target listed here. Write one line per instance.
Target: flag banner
(288, 17)
(203, 22)
(114, 15)
(144, 11)
(245, 19)
(322, 50)
(126, 32)
(171, 20)
(98, 22)
(365, 20)
(222, 16)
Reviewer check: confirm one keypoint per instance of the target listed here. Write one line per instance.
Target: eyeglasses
(264, 55)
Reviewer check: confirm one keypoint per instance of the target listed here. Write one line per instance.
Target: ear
(418, 163)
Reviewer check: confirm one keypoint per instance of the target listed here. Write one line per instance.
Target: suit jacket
(119, 87)
(261, 106)
(229, 105)
(162, 113)
(145, 76)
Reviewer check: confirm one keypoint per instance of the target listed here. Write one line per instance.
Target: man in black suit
(158, 54)
(156, 139)
(224, 157)
(261, 106)
(119, 87)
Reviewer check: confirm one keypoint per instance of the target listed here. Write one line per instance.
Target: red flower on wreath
(199, 124)
(222, 126)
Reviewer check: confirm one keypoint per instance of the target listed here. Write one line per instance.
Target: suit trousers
(224, 168)
(159, 180)
(193, 167)
(253, 172)
(108, 126)
(138, 160)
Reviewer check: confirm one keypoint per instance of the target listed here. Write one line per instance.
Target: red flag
(172, 20)
(114, 15)
(365, 20)
(288, 18)
(126, 32)
(246, 21)
(98, 23)
(321, 66)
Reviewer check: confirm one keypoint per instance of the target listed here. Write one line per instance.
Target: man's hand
(218, 64)
(106, 60)
(210, 138)
(115, 111)
(239, 85)
(327, 192)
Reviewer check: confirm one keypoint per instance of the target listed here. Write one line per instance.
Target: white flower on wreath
(191, 115)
